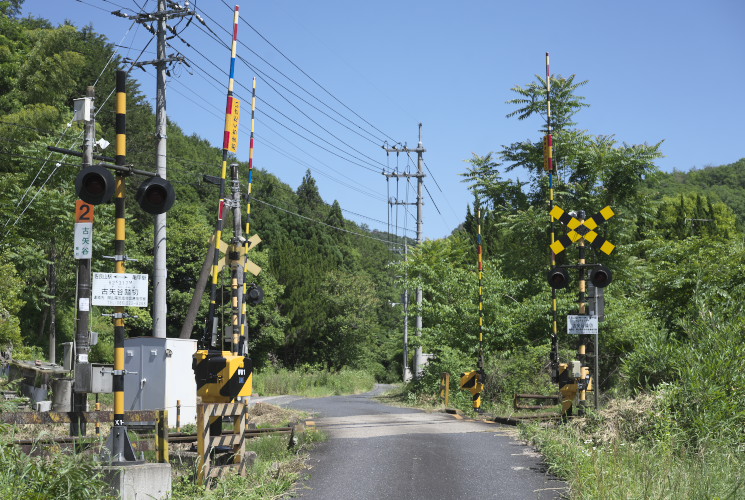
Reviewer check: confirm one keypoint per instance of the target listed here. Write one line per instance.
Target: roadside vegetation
(54, 475)
(312, 383)
(51, 472)
(276, 470)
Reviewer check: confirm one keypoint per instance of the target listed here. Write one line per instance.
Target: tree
(10, 305)
(592, 170)
(349, 304)
(564, 102)
(309, 199)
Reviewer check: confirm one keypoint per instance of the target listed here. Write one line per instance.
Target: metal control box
(158, 374)
(94, 378)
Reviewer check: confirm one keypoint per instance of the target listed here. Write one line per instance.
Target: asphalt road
(379, 452)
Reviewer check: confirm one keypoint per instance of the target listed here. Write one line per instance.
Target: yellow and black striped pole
(560, 372)
(473, 381)
(582, 309)
(482, 372)
(121, 448)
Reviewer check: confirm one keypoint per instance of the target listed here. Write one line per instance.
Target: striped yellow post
(481, 373)
(244, 325)
(121, 448)
(161, 438)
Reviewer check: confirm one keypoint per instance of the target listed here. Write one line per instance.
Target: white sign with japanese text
(83, 240)
(119, 289)
(582, 325)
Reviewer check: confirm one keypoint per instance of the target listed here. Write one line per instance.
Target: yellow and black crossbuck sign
(579, 230)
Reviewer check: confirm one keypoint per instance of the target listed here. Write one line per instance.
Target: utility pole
(160, 17)
(407, 371)
(419, 150)
(82, 330)
(159, 234)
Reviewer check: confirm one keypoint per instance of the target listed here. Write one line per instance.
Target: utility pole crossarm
(405, 149)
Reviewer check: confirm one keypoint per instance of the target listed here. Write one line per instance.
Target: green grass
(61, 475)
(311, 383)
(600, 467)
(274, 473)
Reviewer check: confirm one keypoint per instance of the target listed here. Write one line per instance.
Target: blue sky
(657, 70)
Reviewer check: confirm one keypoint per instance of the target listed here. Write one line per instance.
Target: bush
(59, 475)
(707, 403)
(524, 370)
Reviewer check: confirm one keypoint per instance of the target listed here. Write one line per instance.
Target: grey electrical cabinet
(158, 375)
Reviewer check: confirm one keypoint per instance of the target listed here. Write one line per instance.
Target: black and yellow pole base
(473, 381)
(574, 383)
(222, 377)
(568, 388)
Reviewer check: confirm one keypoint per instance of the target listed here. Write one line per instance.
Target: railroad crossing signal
(234, 254)
(579, 230)
(600, 276)
(558, 278)
(95, 185)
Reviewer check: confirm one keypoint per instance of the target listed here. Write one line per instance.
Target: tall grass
(623, 469)
(311, 383)
(272, 475)
(59, 475)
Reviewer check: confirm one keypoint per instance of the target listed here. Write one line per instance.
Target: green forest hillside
(327, 281)
(725, 183)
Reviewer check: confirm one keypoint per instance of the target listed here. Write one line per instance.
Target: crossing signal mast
(575, 377)
(223, 369)
(473, 380)
(96, 185)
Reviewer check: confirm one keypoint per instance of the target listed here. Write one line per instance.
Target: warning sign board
(84, 212)
(119, 289)
(83, 240)
(582, 325)
(232, 121)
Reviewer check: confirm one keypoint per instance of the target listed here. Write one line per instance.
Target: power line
(310, 77)
(260, 138)
(250, 49)
(265, 76)
(253, 198)
(367, 167)
(368, 163)
(366, 217)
